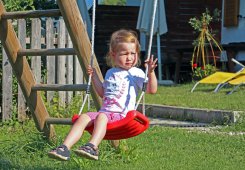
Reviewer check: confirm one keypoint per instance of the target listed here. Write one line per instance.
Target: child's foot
(60, 153)
(88, 151)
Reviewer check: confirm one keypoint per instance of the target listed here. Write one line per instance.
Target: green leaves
(19, 5)
(201, 72)
(206, 18)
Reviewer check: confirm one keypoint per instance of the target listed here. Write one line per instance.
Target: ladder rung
(58, 121)
(45, 52)
(59, 87)
(31, 14)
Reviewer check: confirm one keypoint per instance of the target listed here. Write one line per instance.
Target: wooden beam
(80, 40)
(59, 121)
(24, 75)
(60, 87)
(31, 14)
(45, 52)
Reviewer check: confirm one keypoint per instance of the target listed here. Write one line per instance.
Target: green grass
(22, 146)
(202, 97)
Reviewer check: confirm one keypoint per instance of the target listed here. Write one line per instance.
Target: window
(231, 12)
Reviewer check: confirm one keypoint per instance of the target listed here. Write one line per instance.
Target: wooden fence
(63, 69)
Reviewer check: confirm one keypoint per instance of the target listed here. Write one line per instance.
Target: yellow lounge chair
(215, 78)
(240, 80)
(222, 78)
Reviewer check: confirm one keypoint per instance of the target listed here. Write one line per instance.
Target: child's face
(125, 56)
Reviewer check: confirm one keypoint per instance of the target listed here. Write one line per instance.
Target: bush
(202, 72)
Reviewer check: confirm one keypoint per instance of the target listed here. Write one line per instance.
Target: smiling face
(125, 55)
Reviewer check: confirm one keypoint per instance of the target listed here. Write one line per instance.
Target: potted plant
(204, 58)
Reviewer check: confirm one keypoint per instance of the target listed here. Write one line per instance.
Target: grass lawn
(202, 97)
(22, 146)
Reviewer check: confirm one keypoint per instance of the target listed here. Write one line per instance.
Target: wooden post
(61, 62)
(80, 40)
(21, 99)
(6, 88)
(69, 69)
(36, 44)
(24, 75)
(50, 59)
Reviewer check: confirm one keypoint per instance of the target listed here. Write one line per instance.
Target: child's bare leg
(99, 132)
(77, 130)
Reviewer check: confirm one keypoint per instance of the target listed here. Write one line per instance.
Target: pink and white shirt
(121, 88)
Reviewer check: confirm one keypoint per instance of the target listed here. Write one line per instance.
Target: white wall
(235, 34)
(133, 2)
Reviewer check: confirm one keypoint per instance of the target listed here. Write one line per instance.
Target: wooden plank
(36, 43)
(7, 98)
(46, 52)
(80, 40)
(59, 87)
(32, 14)
(78, 74)
(24, 75)
(51, 66)
(43, 41)
(59, 121)
(69, 68)
(61, 62)
(21, 99)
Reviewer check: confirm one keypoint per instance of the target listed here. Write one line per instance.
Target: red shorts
(112, 117)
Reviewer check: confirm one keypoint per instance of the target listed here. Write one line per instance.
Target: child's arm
(96, 81)
(152, 80)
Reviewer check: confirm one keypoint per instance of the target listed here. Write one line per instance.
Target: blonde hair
(122, 36)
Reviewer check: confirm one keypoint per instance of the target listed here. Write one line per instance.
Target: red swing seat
(132, 125)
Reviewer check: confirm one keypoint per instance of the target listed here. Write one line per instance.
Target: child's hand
(151, 64)
(90, 70)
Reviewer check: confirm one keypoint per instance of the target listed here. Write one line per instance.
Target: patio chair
(222, 78)
(240, 80)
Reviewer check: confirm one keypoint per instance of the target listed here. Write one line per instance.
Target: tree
(18, 5)
(22, 5)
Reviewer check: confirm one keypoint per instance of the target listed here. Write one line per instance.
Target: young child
(119, 91)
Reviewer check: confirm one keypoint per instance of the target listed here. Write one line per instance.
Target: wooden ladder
(16, 55)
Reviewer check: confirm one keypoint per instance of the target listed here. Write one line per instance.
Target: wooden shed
(176, 44)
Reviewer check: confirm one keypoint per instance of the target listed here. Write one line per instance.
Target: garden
(214, 146)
